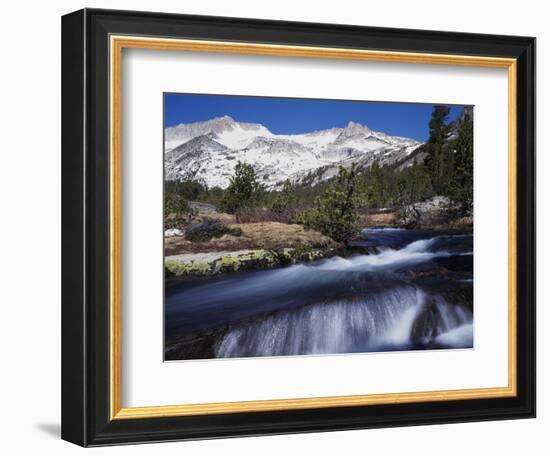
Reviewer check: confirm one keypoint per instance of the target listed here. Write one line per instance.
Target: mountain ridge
(208, 150)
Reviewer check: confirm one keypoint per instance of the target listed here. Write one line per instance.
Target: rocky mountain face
(208, 151)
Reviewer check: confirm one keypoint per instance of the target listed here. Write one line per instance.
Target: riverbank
(253, 236)
(436, 213)
(270, 244)
(259, 245)
(213, 263)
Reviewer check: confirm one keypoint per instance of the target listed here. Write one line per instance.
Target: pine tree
(376, 183)
(461, 189)
(438, 159)
(283, 202)
(335, 211)
(413, 185)
(243, 190)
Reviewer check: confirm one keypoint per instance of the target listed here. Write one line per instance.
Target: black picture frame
(85, 224)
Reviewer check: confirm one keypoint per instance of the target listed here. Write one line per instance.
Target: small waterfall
(376, 323)
(399, 333)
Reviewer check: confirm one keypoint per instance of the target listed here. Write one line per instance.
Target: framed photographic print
(278, 227)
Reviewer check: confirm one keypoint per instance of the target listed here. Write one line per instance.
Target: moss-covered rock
(206, 264)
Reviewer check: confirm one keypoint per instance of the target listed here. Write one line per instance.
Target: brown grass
(267, 235)
(221, 216)
(254, 215)
(380, 220)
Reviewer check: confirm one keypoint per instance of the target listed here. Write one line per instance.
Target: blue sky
(300, 115)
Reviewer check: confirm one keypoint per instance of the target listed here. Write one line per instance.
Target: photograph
(315, 227)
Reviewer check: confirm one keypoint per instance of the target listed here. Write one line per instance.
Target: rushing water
(415, 293)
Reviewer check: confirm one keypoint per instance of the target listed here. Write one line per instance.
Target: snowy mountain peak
(208, 151)
(356, 126)
(225, 129)
(221, 123)
(354, 129)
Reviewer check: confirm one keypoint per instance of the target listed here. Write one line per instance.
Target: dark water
(415, 293)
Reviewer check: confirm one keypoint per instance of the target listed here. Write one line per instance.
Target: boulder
(427, 322)
(208, 229)
(435, 213)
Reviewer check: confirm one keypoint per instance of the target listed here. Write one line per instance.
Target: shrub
(208, 229)
(174, 220)
(335, 213)
(177, 211)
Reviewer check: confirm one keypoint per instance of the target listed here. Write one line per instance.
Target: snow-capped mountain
(208, 151)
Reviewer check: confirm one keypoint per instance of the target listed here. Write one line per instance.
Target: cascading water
(379, 323)
(336, 327)
(412, 296)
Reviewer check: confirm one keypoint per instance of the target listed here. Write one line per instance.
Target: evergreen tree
(413, 185)
(243, 190)
(461, 189)
(377, 185)
(335, 212)
(438, 159)
(284, 202)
